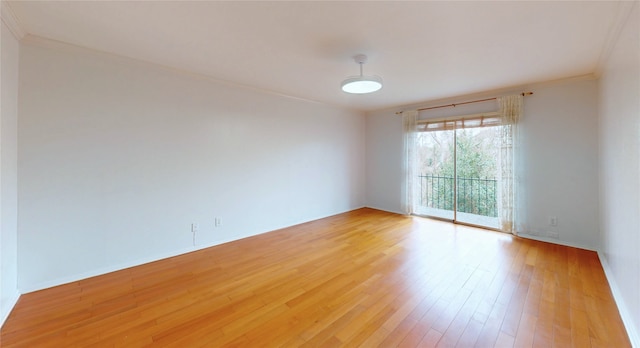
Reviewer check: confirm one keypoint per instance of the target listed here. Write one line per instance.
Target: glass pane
(435, 174)
(477, 154)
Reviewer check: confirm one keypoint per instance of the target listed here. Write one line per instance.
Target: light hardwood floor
(365, 278)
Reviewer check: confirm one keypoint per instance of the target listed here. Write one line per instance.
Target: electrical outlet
(195, 227)
(217, 222)
(553, 234)
(553, 221)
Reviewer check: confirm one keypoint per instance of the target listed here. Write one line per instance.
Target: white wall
(117, 158)
(619, 96)
(8, 174)
(384, 161)
(559, 152)
(560, 163)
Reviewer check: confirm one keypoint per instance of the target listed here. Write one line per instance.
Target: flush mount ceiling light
(361, 84)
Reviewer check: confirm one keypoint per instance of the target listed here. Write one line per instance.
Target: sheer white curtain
(511, 112)
(409, 159)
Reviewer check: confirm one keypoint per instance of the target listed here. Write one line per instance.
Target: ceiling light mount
(361, 84)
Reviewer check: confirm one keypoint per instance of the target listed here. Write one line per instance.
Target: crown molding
(9, 18)
(621, 17)
(490, 93)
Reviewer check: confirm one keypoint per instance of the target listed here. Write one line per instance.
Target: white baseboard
(384, 209)
(104, 270)
(142, 261)
(555, 241)
(622, 308)
(11, 303)
(124, 265)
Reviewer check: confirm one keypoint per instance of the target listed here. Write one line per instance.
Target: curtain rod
(467, 102)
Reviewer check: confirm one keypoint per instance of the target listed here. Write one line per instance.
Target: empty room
(320, 173)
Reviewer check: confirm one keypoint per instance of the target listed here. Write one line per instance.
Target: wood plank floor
(365, 278)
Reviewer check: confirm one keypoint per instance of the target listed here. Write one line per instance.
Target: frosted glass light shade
(362, 84)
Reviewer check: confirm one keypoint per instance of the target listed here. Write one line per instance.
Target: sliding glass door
(458, 176)
(477, 151)
(436, 155)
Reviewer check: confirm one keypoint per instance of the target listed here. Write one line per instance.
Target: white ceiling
(422, 50)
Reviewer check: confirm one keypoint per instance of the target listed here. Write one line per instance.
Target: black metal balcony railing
(474, 195)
